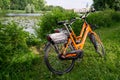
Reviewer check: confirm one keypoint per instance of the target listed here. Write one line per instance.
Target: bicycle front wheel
(95, 39)
(53, 62)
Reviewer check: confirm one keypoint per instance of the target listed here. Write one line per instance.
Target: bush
(30, 8)
(12, 41)
(32, 40)
(104, 18)
(116, 16)
(101, 19)
(49, 21)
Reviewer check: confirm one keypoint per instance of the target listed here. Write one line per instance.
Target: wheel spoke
(53, 62)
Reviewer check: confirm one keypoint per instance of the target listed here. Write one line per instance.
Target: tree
(39, 4)
(103, 4)
(4, 4)
(21, 4)
(116, 5)
(18, 4)
(51, 7)
(30, 8)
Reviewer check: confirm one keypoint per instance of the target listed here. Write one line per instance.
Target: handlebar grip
(60, 22)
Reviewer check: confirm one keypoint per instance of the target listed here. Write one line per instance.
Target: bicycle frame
(86, 28)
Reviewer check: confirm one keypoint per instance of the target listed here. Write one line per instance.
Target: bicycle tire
(95, 39)
(58, 66)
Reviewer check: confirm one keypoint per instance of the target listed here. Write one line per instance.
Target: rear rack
(58, 37)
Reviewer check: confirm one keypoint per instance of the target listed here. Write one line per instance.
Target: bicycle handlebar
(62, 22)
(74, 19)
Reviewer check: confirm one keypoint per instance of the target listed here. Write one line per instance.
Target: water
(28, 23)
(27, 14)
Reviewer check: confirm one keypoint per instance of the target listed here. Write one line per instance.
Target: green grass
(16, 11)
(29, 66)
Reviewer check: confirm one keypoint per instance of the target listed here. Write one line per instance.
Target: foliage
(12, 41)
(49, 21)
(4, 4)
(30, 66)
(32, 40)
(30, 8)
(17, 4)
(117, 5)
(39, 4)
(105, 4)
(116, 16)
(104, 18)
(51, 7)
(3, 13)
(21, 4)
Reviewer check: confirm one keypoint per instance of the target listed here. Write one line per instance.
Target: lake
(29, 23)
(25, 14)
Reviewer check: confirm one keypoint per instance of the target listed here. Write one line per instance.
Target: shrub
(12, 41)
(116, 16)
(101, 19)
(49, 21)
(32, 40)
(104, 18)
(32, 8)
(28, 8)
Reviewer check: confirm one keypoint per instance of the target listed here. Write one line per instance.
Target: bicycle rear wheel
(95, 39)
(54, 63)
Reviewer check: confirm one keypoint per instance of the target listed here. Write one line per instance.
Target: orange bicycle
(64, 47)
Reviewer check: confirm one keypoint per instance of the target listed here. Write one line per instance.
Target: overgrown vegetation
(105, 4)
(49, 22)
(30, 8)
(20, 5)
(18, 62)
(104, 18)
(14, 41)
(31, 66)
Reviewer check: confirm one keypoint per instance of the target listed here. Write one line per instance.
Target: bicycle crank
(72, 55)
